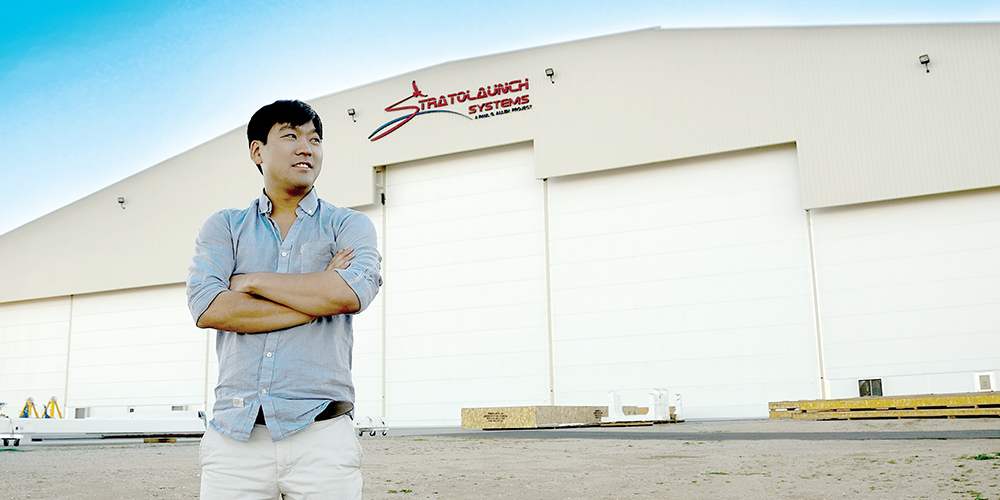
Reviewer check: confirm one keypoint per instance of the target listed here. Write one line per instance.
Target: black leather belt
(332, 410)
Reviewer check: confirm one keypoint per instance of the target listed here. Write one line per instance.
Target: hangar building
(738, 215)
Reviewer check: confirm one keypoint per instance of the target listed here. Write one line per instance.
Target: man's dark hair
(295, 113)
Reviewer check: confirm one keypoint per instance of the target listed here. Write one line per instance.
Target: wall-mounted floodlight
(926, 61)
(121, 201)
(350, 112)
(549, 73)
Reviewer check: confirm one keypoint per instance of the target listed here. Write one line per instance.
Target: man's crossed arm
(264, 302)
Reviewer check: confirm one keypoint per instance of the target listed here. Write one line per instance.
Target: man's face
(292, 158)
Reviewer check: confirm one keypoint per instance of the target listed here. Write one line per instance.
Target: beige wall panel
(870, 123)
(657, 95)
(880, 127)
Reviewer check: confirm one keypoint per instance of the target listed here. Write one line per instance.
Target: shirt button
(284, 254)
(263, 391)
(270, 354)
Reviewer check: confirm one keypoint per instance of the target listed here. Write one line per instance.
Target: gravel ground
(710, 460)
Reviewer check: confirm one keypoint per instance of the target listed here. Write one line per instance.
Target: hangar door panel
(367, 367)
(465, 286)
(137, 348)
(33, 336)
(910, 293)
(692, 276)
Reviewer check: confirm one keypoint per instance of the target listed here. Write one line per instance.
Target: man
(280, 281)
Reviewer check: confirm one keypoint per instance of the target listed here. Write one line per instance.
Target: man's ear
(255, 155)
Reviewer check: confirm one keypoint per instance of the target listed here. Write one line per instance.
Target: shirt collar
(264, 204)
(307, 205)
(310, 203)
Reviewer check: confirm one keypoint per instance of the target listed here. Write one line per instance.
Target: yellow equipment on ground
(51, 409)
(29, 408)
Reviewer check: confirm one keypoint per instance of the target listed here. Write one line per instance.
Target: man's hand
(239, 283)
(341, 259)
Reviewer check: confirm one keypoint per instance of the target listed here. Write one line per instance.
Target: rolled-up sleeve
(212, 266)
(358, 232)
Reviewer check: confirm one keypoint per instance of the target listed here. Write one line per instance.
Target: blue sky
(92, 92)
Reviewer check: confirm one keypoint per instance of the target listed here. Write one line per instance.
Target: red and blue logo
(492, 100)
(412, 111)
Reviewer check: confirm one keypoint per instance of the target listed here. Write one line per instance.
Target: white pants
(322, 461)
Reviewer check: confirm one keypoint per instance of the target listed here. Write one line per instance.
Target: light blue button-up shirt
(292, 374)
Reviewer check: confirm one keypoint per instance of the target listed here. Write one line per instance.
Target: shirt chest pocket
(316, 255)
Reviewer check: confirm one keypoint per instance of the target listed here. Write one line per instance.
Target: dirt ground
(709, 460)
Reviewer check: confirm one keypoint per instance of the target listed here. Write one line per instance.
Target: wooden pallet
(545, 417)
(976, 404)
(531, 417)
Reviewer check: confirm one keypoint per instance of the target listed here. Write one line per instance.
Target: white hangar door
(138, 349)
(910, 293)
(366, 370)
(33, 339)
(693, 276)
(465, 286)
